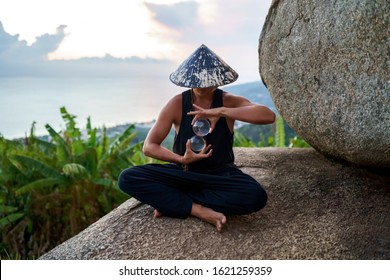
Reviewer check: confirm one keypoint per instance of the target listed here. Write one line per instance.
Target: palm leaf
(7, 209)
(39, 184)
(75, 171)
(45, 145)
(26, 163)
(88, 159)
(102, 146)
(91, 133)
(120, 143)
(63, 151)
(71, 128)
(122, 140)
(10, 219)
(104, 182)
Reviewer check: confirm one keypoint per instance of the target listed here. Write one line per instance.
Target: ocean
(107, 101)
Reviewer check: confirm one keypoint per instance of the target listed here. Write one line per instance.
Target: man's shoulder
(173, 109)
(230, 99)
(176, 100)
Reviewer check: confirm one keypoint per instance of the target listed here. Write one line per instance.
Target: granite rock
(317, 209)
(326, 65)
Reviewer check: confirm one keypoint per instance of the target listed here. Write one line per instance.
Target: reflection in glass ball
(197, 143)
(201, 127)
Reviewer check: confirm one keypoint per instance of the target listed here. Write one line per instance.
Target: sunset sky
(166, 29)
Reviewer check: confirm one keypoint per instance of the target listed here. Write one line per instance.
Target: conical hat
(203, 68)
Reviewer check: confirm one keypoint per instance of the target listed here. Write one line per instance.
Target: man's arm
(152, 145)
(236, 108)
(241, 109)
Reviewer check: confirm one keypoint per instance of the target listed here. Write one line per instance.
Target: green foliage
(279, 132)
(277, 135)
(298, 142)
(240, 140)
(50, 190)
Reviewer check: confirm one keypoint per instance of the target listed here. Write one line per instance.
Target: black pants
(170, 190)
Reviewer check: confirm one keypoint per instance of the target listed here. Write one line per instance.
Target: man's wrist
(222, 112)
(183, 163)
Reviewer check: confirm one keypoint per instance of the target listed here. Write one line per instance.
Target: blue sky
(120, 37)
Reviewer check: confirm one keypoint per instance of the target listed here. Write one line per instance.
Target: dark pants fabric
(171, 190)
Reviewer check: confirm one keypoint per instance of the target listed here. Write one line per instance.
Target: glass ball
(197, 143)
(201, 127)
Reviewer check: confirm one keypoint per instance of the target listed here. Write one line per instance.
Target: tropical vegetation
(278, 134)
(52, 189)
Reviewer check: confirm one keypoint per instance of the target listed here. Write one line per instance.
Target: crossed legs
(177, 193)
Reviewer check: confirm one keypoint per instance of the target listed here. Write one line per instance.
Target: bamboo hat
(202, 69)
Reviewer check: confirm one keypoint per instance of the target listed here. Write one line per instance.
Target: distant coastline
(113, 103)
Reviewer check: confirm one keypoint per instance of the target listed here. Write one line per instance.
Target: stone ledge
(317, 209)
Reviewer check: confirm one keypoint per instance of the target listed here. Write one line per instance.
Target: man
(206, 183)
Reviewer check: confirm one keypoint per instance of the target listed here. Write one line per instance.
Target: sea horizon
(108, 101)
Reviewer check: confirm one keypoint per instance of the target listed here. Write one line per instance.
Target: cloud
(17, 58)
(177, 16)
(47, 43)
(230, 28)
(213, 20)
(8, 40)
(17, 50)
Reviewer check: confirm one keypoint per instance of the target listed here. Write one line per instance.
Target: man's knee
(127, 179)
(258, 198)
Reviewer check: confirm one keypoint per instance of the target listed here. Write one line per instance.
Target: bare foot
(209, 215)
(157, 214)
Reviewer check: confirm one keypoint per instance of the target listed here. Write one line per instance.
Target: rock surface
(326, 65)
(317, 209)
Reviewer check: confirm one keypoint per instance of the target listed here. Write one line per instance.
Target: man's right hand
(190, 156)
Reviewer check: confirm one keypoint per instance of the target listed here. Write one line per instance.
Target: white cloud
(17, 58)
(230, 28)
(95, 27)
(166, 29)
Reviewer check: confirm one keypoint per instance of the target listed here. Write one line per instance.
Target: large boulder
(326, 65)
(317, 209)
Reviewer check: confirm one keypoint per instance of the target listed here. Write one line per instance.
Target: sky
(127, 36)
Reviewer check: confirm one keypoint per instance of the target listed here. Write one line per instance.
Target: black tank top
(221, 139)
